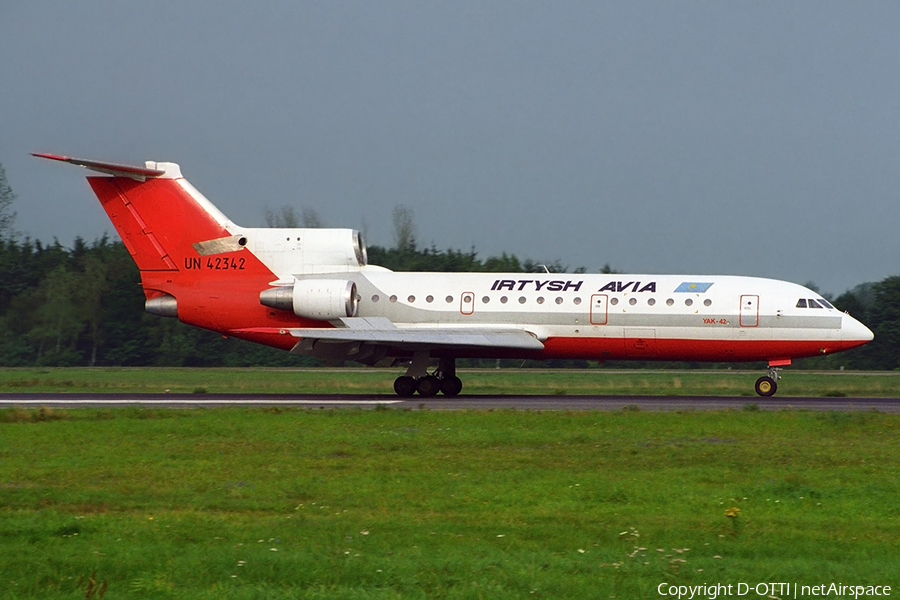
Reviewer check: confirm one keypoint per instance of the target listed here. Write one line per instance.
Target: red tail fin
(157, 219)
(194, 261)
(156, 212)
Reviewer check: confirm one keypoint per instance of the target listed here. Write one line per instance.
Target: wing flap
(379, 330)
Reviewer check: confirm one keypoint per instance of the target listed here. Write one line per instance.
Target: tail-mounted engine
(289, 252)
(320, 299)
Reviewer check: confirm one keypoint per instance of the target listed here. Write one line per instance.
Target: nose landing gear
(766, 386)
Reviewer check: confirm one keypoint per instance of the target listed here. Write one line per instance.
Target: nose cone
(854, 333)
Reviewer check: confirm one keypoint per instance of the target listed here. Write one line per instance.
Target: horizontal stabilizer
(379, 330)
(132, 172)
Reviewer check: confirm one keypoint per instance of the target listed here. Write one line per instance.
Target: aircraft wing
(380, 330)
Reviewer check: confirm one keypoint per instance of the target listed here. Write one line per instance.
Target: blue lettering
(554, 285)
(609, 287)
(624, 286)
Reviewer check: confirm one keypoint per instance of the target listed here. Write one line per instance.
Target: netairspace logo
(771, 590)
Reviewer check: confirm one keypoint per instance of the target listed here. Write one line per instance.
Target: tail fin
(199, 266)
(157, 213)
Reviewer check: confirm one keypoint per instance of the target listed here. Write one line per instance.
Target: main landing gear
(766, 386)
(417, 378)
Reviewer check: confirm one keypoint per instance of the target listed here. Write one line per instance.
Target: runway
(510, 402)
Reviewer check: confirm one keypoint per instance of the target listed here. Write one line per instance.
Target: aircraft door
(599, 309)
(749, 311)
(467, 303)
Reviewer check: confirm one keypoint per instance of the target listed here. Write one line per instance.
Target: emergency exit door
(599, 309)
(749, 311)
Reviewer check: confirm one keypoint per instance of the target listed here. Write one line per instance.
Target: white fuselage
(664, 317)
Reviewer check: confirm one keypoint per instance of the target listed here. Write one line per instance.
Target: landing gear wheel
(405, 386)
(766, 386)
(428, 385)
(451, 386)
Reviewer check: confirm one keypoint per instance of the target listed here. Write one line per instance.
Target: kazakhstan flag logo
(694, 287)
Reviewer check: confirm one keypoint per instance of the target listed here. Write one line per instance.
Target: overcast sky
(752, 138)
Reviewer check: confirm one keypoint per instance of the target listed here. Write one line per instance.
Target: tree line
(84, 306)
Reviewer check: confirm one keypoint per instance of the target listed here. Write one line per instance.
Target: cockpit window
(811, 303)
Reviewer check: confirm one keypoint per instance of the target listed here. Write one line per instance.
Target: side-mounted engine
(297, 256)
(320, 299)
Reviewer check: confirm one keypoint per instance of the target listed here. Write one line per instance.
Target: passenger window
(614, 301)
(707, 302)
(801, 303)
(651, 302)
(411, 299)
(449, 299)
(577, 301)
(558, 300)
(429, 299)
(688, 302)
(632, 301)
(503, 299)
(521, 299)
(670, 302)
(540, 300)
(486, 299)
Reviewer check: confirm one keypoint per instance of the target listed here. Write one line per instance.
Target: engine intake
(320, 299)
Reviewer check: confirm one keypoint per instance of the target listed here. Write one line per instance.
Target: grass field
(241, 503)
(476, 381)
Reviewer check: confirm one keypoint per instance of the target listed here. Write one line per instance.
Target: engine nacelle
(290, 252)
(320, 299)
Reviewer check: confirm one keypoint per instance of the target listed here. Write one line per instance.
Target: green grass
(476, 381)
(241, 503)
